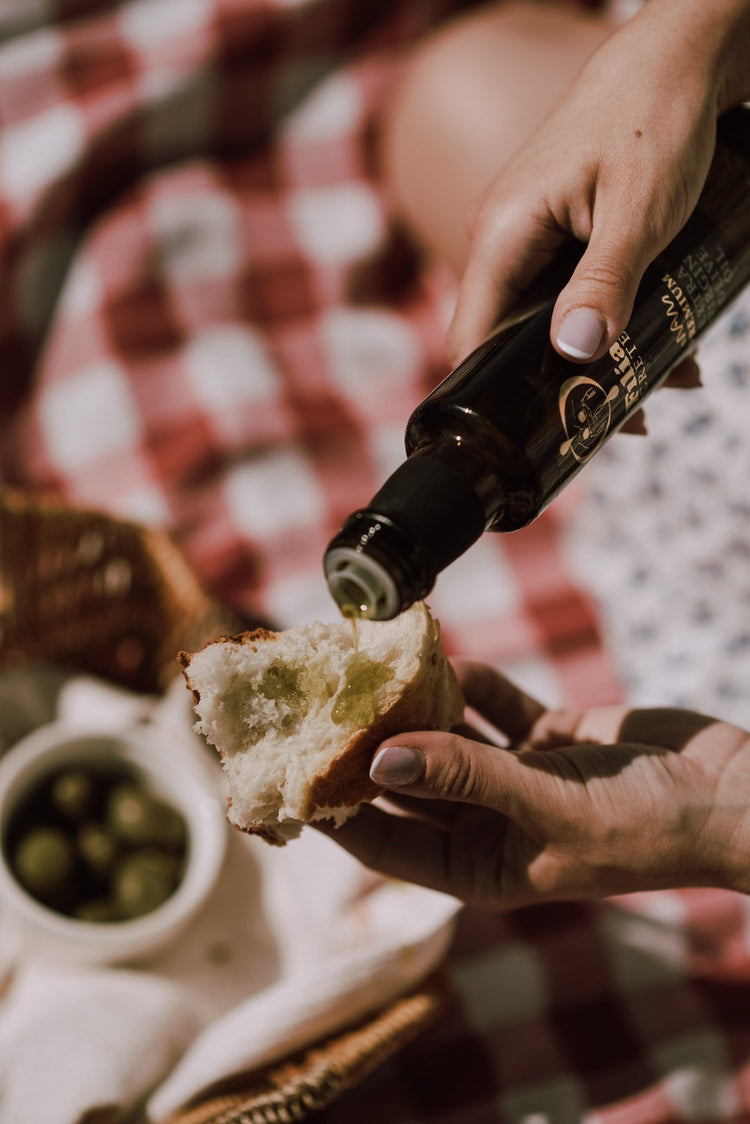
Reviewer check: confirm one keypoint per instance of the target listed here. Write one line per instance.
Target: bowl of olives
(109, 845)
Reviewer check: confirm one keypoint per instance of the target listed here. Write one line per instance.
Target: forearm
(715, 35)
(734, 18)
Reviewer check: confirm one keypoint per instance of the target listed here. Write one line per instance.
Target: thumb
(596, 304)
(449, 767)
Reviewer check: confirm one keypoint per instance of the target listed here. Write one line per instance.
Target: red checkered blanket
(210, 322)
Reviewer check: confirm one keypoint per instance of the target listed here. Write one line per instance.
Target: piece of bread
(296, 715)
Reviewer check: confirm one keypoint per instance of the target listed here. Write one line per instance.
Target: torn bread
(296, 715)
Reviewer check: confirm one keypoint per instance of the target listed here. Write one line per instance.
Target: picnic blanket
(211, 324)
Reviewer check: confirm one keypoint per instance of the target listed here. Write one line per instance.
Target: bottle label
(701, 287)
(691, 297)
(587, 407)
(693, 282)
(586, 414)
(678, 310)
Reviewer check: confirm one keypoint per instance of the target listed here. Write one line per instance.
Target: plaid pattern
(630, 1011)
(210, 323)
(201, 280)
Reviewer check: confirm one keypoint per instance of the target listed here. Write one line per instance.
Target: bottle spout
(360, 585)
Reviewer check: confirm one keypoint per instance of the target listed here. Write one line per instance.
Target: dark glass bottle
(500, 437)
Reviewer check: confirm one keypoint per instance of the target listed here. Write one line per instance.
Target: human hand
(619, 165)
(581, 804)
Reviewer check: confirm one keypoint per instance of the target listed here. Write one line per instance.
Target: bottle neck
(388, 555)
(374, 569)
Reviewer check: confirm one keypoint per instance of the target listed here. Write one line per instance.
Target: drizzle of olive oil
(280, 681)
(352, 613)
(355, 704)
(281, 684)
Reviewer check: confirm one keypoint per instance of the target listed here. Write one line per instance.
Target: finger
(401, 847)
(558, 729)
(414, 850)
(663, 726)
(685, 376)
(615, 726)
(509, 250)
(596, 304)
(448, 816)
(478, 729)
(526, 788)
(442, 813)
(497, 699)
(635, 424)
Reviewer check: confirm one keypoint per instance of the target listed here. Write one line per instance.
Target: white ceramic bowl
(174, 775)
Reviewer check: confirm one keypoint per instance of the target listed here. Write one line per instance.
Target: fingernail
(581, 333)
(395, 765)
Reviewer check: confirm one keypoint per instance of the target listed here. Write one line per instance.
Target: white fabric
(294, 943)
(662, 538)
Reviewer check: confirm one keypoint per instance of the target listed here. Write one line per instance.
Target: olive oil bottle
(501, 436)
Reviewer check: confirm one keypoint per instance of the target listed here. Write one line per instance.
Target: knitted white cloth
(663, 537)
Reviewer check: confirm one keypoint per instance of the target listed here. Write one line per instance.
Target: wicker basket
(312, 1080)
(82, 590)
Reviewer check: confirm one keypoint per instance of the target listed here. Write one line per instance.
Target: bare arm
(619, 164)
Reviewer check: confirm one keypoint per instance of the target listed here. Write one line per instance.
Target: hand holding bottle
(619, 164)
(579, 805)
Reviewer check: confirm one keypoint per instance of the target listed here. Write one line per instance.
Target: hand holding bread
(316, 721)
(559, 805)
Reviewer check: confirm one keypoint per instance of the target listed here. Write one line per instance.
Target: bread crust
(346, 781)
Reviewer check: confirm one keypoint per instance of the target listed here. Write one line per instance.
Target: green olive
(139, 818)
(143, 880)
(97, 849)
(73, 795)
(44, 862)
(100, 910)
